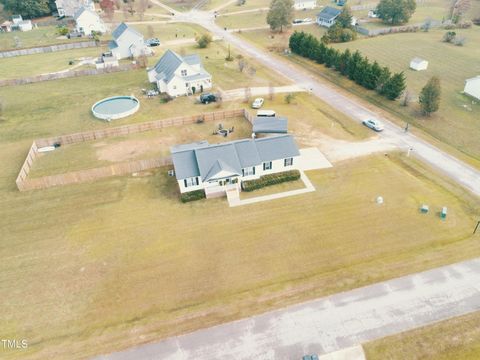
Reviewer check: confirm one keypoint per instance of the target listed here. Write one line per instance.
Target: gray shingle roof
(328, 13)
(81, 10)
(170, 62)
(205, 160)
(270, 125)
(122, 28)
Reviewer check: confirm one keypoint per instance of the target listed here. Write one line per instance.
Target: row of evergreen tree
(353, 65)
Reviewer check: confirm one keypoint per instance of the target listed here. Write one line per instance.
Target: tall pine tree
(430, 96)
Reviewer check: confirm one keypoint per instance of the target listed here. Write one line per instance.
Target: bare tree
(142, 6)
(407, 98)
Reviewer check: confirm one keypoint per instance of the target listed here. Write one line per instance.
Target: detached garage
(472, 87)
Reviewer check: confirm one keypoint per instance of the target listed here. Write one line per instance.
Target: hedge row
(271, 179)
(192, 196)
(355, 66)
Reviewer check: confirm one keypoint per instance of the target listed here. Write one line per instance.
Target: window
(288, 162)
(184, 72)
(267, 165)
(193, 181)
(249, 171)
(186, 85)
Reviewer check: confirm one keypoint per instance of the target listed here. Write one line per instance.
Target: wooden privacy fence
(25, 183)
(66, 74)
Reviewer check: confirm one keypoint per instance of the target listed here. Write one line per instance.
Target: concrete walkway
(331, 323)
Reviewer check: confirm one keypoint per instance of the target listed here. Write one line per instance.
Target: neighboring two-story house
(68, 8)
(216, 167)
(177, 75)
(127, 42)
(87, 21)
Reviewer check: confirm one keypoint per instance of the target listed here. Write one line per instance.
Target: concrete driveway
(331, 323)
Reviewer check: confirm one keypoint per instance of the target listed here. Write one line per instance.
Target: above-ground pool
(115, 107)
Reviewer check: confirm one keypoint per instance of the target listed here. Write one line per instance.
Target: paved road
(462, 173)
(331, 323)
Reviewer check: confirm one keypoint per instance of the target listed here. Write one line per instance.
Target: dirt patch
(130, 149)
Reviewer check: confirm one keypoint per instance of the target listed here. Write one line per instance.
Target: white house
(19, 24)
(215, 168)
(304, 4)
(372, 14)
(68, 8)
(472, 87)
(128, 42)
(418, 64)
(87, 21)
(328, 16)
(177, 75)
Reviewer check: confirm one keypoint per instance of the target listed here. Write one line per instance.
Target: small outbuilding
(270, 125)
(472, 87)
(304, 4)
(418, 64)
(6, 26)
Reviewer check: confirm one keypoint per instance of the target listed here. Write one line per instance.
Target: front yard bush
(192, 196)
(271, 179)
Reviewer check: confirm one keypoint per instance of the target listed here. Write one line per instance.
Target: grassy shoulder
(457, 338)
(115, 243)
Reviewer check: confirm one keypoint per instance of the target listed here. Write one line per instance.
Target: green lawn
(29, 65)
(98, 267)
(181, 5)
(457, 338)
(168, 32)
(42, 36)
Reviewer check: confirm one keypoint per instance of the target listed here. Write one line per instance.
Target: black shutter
(254, 170)
(196, 179)
(185, 182)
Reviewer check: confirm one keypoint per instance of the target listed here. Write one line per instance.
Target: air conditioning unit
(171, 172)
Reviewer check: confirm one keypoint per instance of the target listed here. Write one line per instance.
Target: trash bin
(424, 209)
(443, 214)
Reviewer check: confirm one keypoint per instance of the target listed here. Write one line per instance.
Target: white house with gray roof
(68, 8)
(127, 42)
(328, 16)
(178, 76)
(88, 21)
(216, 167)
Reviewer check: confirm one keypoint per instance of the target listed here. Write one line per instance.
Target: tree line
(356, 67)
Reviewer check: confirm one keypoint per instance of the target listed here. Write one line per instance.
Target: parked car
(74, 34)
(310, 357)
(152, 42)
(257, 103)
(297, 21)
(373, 124)
(207, 98)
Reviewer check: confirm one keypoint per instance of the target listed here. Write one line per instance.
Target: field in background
(457, 338)
(122, 261)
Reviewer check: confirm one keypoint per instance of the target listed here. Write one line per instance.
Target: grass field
(122, 261)
(168, 32)
(457, 338)
(29, 65)
(42, 36)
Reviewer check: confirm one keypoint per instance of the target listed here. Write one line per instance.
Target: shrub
(204, 40)
(62, 30)
(271, 179)
(192, 196)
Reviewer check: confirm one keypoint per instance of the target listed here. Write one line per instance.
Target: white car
(307, 20)
(257, 103)
(373, 124)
